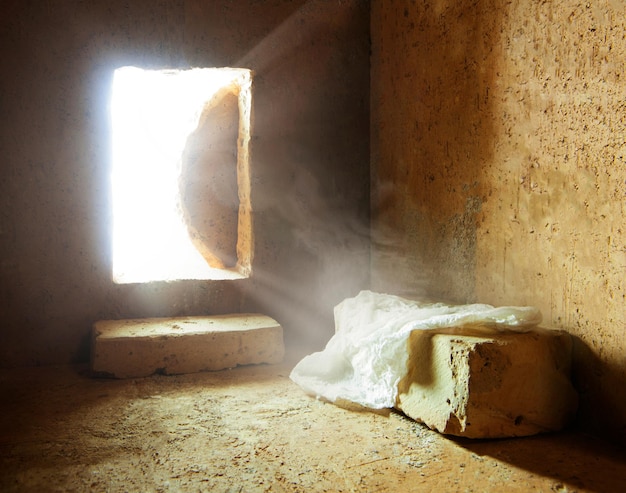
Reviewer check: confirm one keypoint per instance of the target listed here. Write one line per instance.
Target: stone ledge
(141, 347)
(493, 385)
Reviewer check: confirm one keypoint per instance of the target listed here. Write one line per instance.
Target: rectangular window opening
(180, 174)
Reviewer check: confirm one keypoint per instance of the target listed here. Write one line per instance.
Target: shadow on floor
(573, 459)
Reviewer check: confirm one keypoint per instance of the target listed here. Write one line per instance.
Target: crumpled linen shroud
(367, 356)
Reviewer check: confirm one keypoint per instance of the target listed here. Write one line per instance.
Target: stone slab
(491, 385)
(141, 347)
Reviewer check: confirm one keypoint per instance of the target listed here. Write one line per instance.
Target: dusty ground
(252, 429)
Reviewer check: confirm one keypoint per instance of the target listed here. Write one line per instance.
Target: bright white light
(152, 114)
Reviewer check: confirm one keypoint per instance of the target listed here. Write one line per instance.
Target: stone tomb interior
(457, 150)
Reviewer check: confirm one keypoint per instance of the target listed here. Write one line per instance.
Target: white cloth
(366, 358)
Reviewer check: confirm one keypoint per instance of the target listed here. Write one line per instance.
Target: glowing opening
(154, 113)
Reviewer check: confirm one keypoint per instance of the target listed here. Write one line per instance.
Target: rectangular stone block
(489, 385)
(141, 347)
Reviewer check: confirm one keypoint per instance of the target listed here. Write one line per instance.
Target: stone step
(141, 347)
(492, 385)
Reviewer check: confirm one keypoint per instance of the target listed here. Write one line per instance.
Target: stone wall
(309, 161)
(499, 168)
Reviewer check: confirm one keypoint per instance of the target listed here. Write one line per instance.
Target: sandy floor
(251, 429)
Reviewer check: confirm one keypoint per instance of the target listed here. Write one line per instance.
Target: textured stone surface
(208, 185)
(136, 348)
(502, 172)
(310, 108)
(489, 385)
(250, 429)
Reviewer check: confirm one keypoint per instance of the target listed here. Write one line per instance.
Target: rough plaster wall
(498, 164)
(311, 107)
(555, 236)
(432, 128)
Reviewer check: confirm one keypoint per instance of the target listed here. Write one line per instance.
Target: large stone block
(487, 385)
(209, 189)
(141, 347)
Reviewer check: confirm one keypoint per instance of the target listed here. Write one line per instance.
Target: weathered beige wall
(499, 168)
(309, 163)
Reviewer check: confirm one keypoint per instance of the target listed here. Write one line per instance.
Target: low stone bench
(141, 347)
(487, 385)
